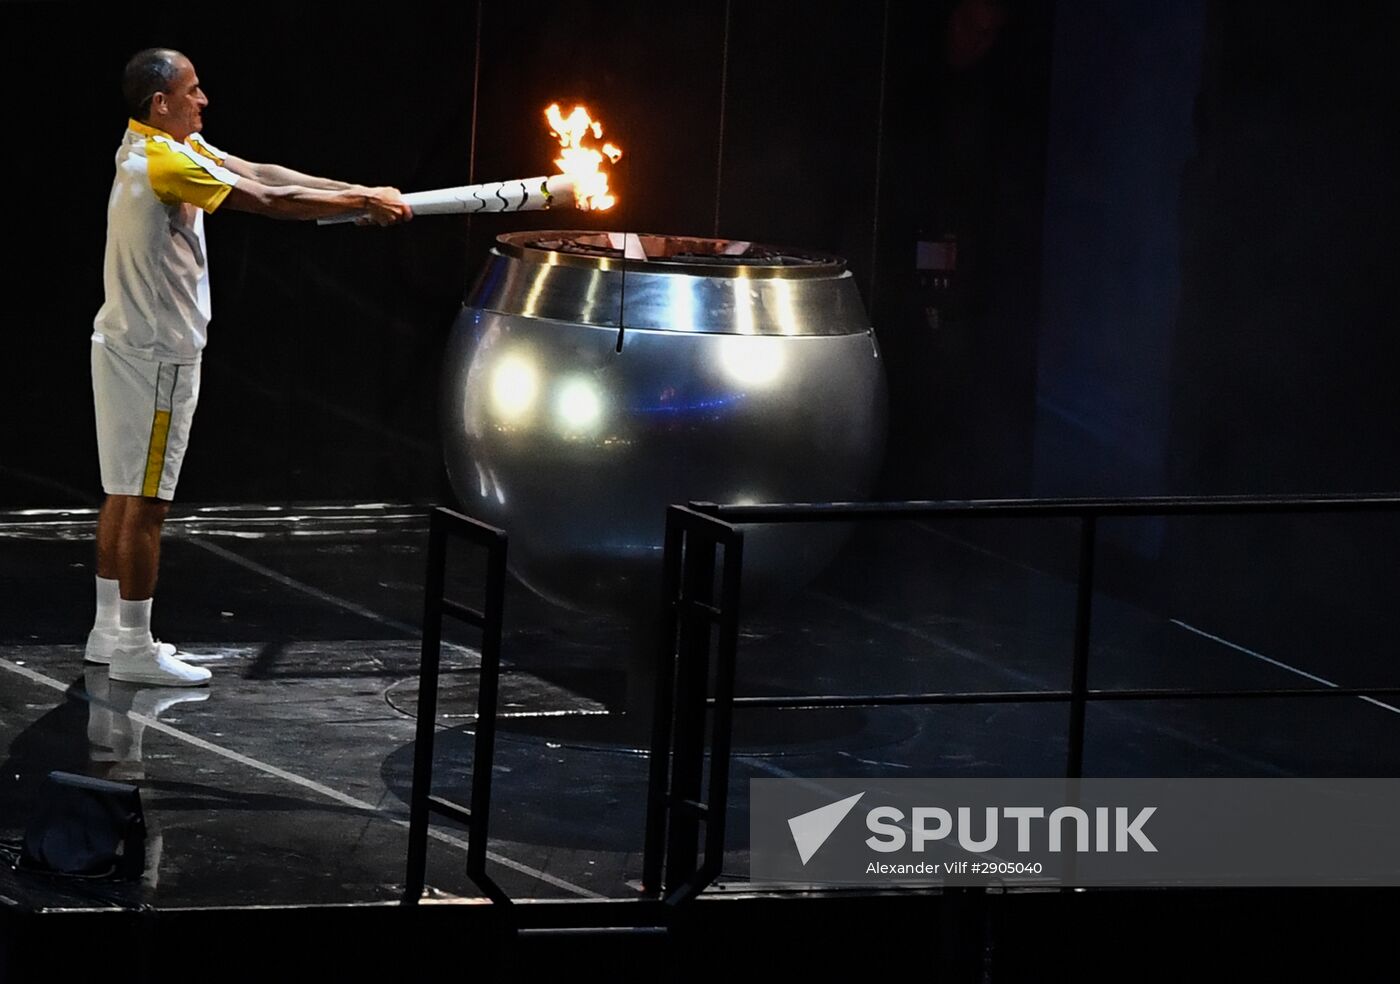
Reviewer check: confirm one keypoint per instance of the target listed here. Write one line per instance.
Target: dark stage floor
(286, 781)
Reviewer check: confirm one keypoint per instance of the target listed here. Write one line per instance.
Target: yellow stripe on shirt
(198, 143)
(177, 175)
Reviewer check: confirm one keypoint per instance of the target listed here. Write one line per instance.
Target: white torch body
(523, 195)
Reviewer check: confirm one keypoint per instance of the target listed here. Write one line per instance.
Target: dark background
(1175, 224)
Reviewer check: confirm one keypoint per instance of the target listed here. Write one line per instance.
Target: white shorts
(144, 412)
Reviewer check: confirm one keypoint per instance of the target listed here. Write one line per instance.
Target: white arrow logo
(810, 830)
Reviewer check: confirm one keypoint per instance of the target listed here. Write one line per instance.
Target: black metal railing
(675, 811)
(442, 524)
(693, 534)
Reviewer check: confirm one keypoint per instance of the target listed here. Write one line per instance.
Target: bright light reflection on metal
(754, 360)
(579, 406)
(514, 386)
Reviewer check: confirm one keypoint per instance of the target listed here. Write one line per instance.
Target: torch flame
(579, 162)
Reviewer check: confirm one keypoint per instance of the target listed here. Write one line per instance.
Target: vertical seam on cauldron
(622, 296)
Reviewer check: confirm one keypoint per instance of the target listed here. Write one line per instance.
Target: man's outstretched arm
(276, 176)
(382, 206)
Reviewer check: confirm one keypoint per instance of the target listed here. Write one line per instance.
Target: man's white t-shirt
(155, 272)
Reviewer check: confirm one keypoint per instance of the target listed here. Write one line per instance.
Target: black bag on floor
(87, 827)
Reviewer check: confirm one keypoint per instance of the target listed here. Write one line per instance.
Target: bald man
(149, 335)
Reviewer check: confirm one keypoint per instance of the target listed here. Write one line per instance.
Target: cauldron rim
(816, 265)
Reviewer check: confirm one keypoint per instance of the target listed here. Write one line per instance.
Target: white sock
(107, 597)
(135, 623)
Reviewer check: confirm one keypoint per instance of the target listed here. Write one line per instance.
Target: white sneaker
(101, 644)
(155, 664)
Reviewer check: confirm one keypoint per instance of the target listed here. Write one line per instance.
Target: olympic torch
(525, 195)
(581, 182)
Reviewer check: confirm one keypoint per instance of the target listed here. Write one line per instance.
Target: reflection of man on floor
(117, 717)
(118, 714)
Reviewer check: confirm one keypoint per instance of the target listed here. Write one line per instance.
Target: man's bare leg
(109, 525)
(138, 546)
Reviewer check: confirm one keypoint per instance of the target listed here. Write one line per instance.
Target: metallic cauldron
(585, 392)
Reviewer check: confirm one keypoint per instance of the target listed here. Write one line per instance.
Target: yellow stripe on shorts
(155, 457)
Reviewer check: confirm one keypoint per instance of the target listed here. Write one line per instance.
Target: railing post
(692, 686)
(484, 750)
(430, 657)
(1079, 673)
(723, 721)
(663, 706)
